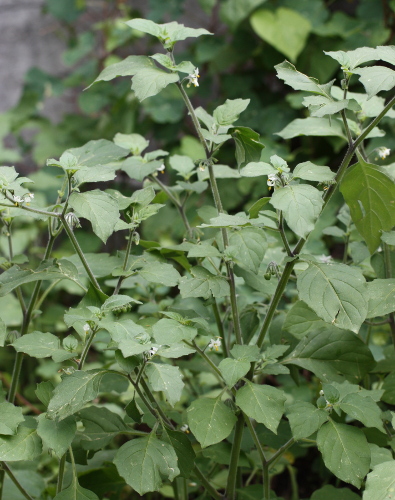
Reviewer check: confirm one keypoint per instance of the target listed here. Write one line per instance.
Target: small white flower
(185, 428)
(86, 328)
(17, 199)
(325, 259)
(271, 180)
(193, 78)
(215, 344)
(152, 351)
(29, 197)
(161, 169)
(321, 392)
(383, 152)
(72, 220)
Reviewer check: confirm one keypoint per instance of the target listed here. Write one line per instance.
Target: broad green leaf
(76, 492)
(183, 165)
(10, 418)
(47, 270)
(248, 145)
(298, 81)
(388, 237)
(354, 58)
(74, 392)
(312, 126)
(329, 492)
(128, 67)
(256, 207)
(305, 419)
(99, 208)
(323, 106)
(44, 392)
(246, 352)
(183, 448)
(311, 172)
(115, 302)
(389, 389)
(138, 169)
(226, 220)
(168, 331)
(233, 369)
(150, 81)
(228, 113)
(301, 205)
(336, 293)
(380, 483)
(331, 352)
(263, 403)
(256, 169)
(101, 173)
(370, 194)
(131, 338)
(203, 250)
(345, 451)
(233, 12)
(376, 78)
(379, 455)
(210, 420)
(57, 436)
(285, 29)
(145, 462)
(364, 409)
(167, 33)
(381, 296)
(175, 351)
(24, 445)
(136, 143)
(165, 378)
(248, 247)
(300, 320)
(42, 345)
(95, 153)
(158, 272)
(203, 284)
(100, 427)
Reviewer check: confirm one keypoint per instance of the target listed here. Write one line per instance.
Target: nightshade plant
(205, 369)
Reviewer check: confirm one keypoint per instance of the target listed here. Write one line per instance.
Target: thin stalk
(266, 482)
(18, 289)
(345, 251)
(220, 327)
(28, 209)
(234, 459)
(80, 253)
(255, 438)
(15, 481)
(272, 460)
(85, 351)
(207, 486)
(125, 262)
(283, 236)
(388, 275)
(62, 464)
(208, 360)
(347, 128)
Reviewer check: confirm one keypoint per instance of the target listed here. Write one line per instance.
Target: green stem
(208, 360)
(80, 253)
(388, 275)
(266, 482)
(125, 262)
(255, 438)
(283, 236)
(207, 486)
(15, 481)
(62, 464)
(234, 459)
(86, 349)
(220, 327)
(28, 209)
(18, 289)
(273, 459)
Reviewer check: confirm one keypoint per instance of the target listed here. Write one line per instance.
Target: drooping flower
(325, 259)
(86, 328)
(152, 351)
(161, 169)
(72, 220)
(193, 78)
(17, 199)
(271, 180)
(185, 428)
(215, 344)
(383, 152)
(29, 197)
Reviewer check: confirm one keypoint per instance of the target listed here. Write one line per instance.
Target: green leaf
(248, 246)
(323, 106)
(228, 113)
(380, 483)
(248, 146)
(203, 250)
(136, 143)
(165, 378)
(233, 12)
(3, 332)
(354, 58)
(157, 272)
(183, 448)
(330, 352)
(74, 392)
(145, 462)
(364, 409)
(210, 420)
(376, 78)
(150, 81)
(183, 165)
(24, 445)
(233, 369)
(256, 207)
(225, 220)
(256, 169)
(381, 296)
(311, 172)
(305, 419)
(131, 338)
(44, 392)
(10, 418)
(312, 126)
(168, 331)
(76, 492)
(345, 451)
(100, 427)
(263, 403)
(57, 436)
(138, 169)
(96, 153)
(128, 67)
(284, 29)
(42, 345)
(329, 492)
(298, 81)
(336, 292)
(370, 194)
(115, 302)
(300, 320)
(99, 208)
(379, 455)
(203, 284)
(246, 352)
(175, 351)
(301, 205)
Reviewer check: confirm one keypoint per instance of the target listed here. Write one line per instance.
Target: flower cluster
(193, 78)
(26, 198)
(383, 152)
(215, 344)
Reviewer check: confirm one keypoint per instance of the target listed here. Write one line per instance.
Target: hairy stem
(125, 262)
(234, 459)
(62, 464)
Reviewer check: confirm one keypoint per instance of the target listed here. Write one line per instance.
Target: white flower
(325, 259)
(86, 328)
(321, 392)
(29, 197)
(161, 169)
(383, 152)
(17, 199)
(215, 344)
(72, 220)
(185, 428)
(152, 351)
(271, 180)
(193, 78)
